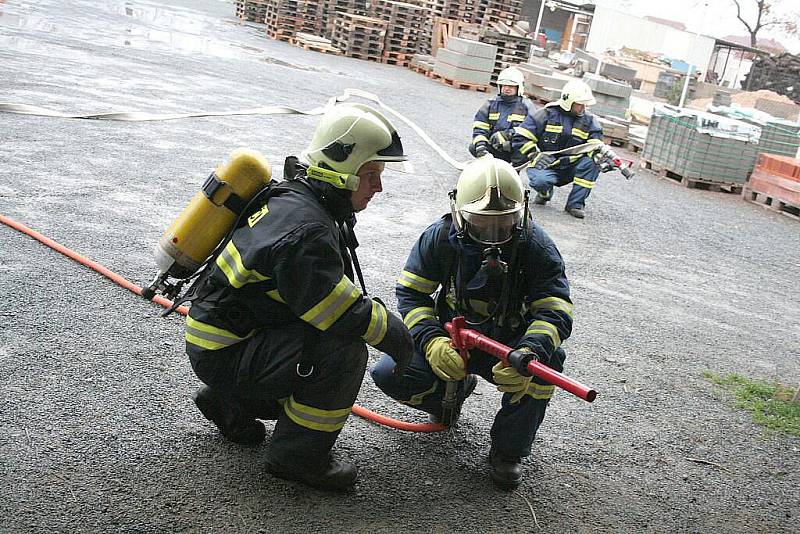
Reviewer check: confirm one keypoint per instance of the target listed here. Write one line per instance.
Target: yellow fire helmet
(347, 137)
(489, 201)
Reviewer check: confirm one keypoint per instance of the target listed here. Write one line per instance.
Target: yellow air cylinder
(209, 216)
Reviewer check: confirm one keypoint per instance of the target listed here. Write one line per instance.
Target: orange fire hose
(114, 277)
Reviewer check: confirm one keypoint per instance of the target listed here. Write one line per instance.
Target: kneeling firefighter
(277, 328)
(490, 263)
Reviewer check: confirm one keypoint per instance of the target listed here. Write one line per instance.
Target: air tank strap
(213, 184)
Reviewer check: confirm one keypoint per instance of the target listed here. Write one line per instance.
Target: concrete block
(464, 61)
(472, 48)
(462, 75)
(607, 87)
(618, 72)
(530, 67)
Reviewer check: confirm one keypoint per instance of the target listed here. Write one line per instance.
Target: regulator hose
(114, 277)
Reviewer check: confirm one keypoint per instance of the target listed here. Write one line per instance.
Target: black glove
(499, 142)
(520, 358)
(481, 150)
(397, 343)
(543, 161)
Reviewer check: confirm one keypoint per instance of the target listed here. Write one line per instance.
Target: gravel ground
(97, 430)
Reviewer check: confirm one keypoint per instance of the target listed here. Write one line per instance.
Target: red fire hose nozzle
(464, 338)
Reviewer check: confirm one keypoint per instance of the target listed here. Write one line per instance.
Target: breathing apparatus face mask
(492, 229)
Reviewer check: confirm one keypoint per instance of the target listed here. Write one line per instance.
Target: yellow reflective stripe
(501, 137)
(516, 117)
(478, 138)
(583, 183)
(494, 116)
(329, 309)
(230, 262)
(315, 418)
(418, 314)
(580, 133)
(595, 141)
(419, 397)
(540, 391)
(555, 128)
(524, 132)
(417, 283)
(543, 327)
(378, 322)
(527, 147)
(210, 337)
(482, 125)
(552, 303)
(274, 295)
(573, 159)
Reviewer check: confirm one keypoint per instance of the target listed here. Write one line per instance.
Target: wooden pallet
(693, 183)
(616, 141)
(316, 47)
(418, 69)
(456, 84)
(771, 203)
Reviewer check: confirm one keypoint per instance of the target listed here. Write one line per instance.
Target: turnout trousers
(305, 379)
(515, 425)
(582, 174)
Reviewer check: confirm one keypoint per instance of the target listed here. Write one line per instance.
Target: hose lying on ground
(114, 277)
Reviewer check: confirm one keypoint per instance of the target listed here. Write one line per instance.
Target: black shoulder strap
(446, 261)
(199, 286)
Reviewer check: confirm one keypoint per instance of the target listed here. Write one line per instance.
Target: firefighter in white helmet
(490, 263)
(495, 121)
(279, 327)
(559, 125)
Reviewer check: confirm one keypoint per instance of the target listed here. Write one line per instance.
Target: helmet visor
(492, 229)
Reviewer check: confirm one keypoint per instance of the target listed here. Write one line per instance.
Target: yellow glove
(445, 361)
(508, 380)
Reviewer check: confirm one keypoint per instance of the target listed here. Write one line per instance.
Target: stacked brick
(331, 7)
(251, 10)
(404, 23)
(286, 18)
(359, 37)
(775, 183)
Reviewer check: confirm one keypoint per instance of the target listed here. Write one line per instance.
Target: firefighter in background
(279, 329)
(496, 119)
(557, 126)
(521, 299)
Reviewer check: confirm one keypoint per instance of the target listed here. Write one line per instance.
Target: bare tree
(765, 17)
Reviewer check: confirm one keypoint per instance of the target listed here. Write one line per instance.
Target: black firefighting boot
(578, 213)
(469, 386)
(541, 199)
(336, 475)
(229, 416)
(506, 471)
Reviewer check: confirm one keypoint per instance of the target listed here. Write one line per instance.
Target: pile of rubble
(779, 73)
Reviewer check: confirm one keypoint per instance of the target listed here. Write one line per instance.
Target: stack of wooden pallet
(512, 46)
(332, 7)
(315, 43)
(359, 37)
(505, 11)
(252, 10)
(463, 10)
(404, 23)
(285, 18)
